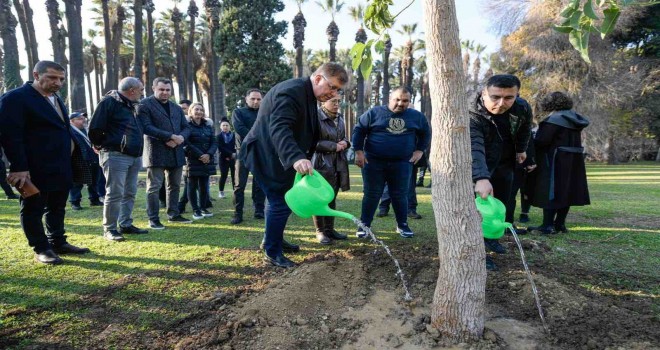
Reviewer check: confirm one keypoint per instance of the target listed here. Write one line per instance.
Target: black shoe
(179, 219)
(67, 248)
(76, 206)
(182, 209)
(279, 261)
(156, 225)
(494, 246)
(259, 215)
(163, 204)
(206, 213)
(419, 183)
(544, 230)
(413, 215)
(48, 257)
(323, 239)
(12, 196)
(560, 229)
(113, 235)
(519, 231)
(405, 232)
(336, 235)
(132, 230)
(286, 247)
(490, 264)
(95, 203)
(382, 214)
(236, 220)
(523, 218)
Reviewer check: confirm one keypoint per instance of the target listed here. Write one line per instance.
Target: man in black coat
(243, 119)
(85, 164)
(282, 141)
(36, 137)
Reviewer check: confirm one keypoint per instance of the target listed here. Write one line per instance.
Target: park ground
(204, 286)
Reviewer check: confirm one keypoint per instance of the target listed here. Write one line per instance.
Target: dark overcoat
(201, 141)
(286, 131)
(561, 177)
(332, 165)
(36, 139)
(159, 126)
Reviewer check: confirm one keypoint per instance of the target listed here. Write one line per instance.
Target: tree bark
(117, 29)
(22, 20)
(193, 12)
(137, 54)
(34, 47)
(91, 98)
(180, 76)
(459, 298)
(76, 71)
(109, 58)
(386, 71)
(12, 67)
(151, 50)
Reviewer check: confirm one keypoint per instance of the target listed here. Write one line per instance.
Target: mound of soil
(353, 300)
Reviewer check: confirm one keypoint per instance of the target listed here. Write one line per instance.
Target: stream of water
(399, 272)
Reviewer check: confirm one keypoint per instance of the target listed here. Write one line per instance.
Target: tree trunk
(137, 54)
(91, 98)
(2, 68)
(31, 33)
(193, 12)
(76, 71)
(360, 92)
(57, 39)
(151, 50)
(12, 67)
(97, 71)
(109, 57)
(22, 20)
(117, 28)
(386, 71)
(459, 299)
(180, 77)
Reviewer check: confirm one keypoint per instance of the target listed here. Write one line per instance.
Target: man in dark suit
(36, 136)
(282, 141)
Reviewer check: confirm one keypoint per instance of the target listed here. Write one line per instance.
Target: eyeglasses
(334, 102)
(332, 87)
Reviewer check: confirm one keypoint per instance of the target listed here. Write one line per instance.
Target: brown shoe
(67, 248)
(48, 257)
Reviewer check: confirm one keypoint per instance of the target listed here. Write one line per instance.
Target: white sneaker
(222, 194)
(197, 215)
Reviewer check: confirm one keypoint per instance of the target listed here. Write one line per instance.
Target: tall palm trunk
(76, 71)
(31, 33)
(97, 71)
(109, 57)
(193, 12)
(299, 24)
(176, 20)
(12, 67)
(386, 71)
(57, 39)
(217, 87)
(117, 27)
(360, 37)
(2, 69)
(332, 32)
(379, 82)
(151, 50)
(139, 47)
(25, 20)
(407, 65)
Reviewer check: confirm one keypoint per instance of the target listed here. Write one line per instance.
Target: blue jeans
(121, 174)
(277, 214)
(201, 184)
(386, 200)
(375, 175)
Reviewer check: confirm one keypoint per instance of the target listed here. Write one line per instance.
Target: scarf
(331, 115)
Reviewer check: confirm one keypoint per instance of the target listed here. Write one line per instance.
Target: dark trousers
(555, 217)
(502, 181)
(195, 184)
(184, 196)
(519, 176)
(277, 214)
(386, 200)
(75, 194)
(3, 179)
(227, 167)
(50, 204)
(375, 175)
(258, 196)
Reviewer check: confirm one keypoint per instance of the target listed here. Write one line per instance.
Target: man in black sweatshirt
(243, 119)
(388, 140)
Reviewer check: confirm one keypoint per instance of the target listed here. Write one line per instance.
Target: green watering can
(493, 213)
(310, 196)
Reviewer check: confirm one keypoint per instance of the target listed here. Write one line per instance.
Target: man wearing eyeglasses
(282, 142)
(500, 126)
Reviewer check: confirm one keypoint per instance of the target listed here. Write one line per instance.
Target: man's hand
(304, 166)
(530, 168)
(360, 159)
(18, 179)
(484, 188)
(520, 157)
(205, 158)
(171, 144)
(177, 138)
(416, 156)
(341, 145)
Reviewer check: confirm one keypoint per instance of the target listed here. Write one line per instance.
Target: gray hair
(129, 83)
(42, 67)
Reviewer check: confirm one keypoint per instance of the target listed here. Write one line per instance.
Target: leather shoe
(494, 246)
(336, 235)
(279, 261)
(323, 239)
(413, 215)
(236, 220)
(560, 229)
(286, 247)
(259, 216)
(132, 230)
(382, 214)
(113, 235)
(544, 230)
(67, 248)
(490, 264)
(48, 257)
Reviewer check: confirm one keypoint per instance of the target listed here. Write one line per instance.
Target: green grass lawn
(154, 280)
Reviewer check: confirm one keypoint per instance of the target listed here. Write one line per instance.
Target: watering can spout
(310, 196)
(331, 212)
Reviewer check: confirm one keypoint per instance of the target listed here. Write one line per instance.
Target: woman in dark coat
(200, 148)
(227, 159)
(561, 175)
(330, 161)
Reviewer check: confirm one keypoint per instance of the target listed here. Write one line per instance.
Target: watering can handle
(490, 199)
(299, 176)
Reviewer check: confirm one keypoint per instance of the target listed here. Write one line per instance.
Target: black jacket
(332, 165)
(36, 139)
(486, 142)
(226, 149)
(286, 131)
(159, 126)
(242, 120)
(115, 127)
(201, 141)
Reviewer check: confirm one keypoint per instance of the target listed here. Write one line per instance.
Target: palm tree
(299, 25)
(25, 15)
(151, 51)
(176, 19)
(12, 68)
(476, 66)
(117, 30)
(217, 99)
(468, 46)
(193, 11)
(94, 51)
(139, 47)
(357, 13)
(407, 61)
(58, 37)
(378, 73)
(76, 69)
(109, 57)
(386, 69)
(332, 7)
(89, 66)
